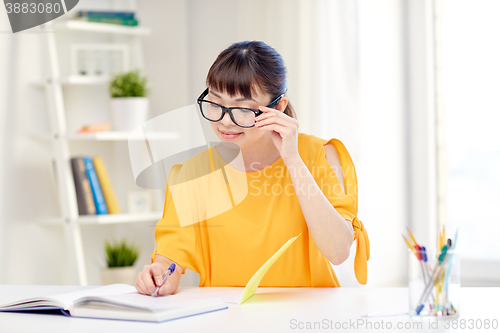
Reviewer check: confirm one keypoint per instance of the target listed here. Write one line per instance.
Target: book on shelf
(84, 195)
(94, 192)
(107, 189)
(121, 302)
(103, 13)
(111, 17)
(116, 20)
(100, 203)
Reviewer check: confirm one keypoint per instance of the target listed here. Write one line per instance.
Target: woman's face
(226, 130)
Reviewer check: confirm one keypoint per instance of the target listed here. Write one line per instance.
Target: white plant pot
(127, 113)
(111, 275)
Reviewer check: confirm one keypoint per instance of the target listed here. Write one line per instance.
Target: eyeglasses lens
(242, 117)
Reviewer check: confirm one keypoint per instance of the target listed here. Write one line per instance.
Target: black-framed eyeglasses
(243, 117)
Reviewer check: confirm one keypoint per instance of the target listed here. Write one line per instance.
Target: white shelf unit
(60, 137)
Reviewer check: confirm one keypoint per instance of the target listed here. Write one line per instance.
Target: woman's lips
(230, 135)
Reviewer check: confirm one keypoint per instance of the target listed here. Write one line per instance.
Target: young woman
(295, 183)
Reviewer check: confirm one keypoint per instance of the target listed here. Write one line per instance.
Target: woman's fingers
(145, 283)
(166, 289)
(147, 279)
(268, 112)
(148, 282)
(275, 121)
(282, 130)
(157, 272)
(140, 286)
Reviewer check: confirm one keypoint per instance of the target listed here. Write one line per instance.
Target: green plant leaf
(120, 254)
(128, 84)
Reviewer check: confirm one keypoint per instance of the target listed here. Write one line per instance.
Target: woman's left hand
(284, 131)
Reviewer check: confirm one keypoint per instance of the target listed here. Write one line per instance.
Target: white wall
(6, 59)
(381, 173)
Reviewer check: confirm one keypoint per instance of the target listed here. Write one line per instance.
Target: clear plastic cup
(434, 283)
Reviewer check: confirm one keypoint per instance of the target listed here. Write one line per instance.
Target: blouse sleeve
(345, 202)
(173, 241)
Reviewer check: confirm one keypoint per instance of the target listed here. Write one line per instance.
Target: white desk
(269, 310)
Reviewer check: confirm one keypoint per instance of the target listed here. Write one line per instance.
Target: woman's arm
(331, 233)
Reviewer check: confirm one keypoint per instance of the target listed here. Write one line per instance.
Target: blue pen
(169, 271)
(424, 259)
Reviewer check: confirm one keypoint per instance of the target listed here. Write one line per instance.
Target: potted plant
(129, 102)
(120, 258)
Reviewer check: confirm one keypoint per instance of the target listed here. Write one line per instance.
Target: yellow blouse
(228, 245)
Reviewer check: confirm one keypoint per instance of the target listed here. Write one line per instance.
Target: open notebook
(123, 302)
(119, 301)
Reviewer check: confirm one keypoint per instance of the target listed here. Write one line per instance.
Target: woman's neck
(260, 155)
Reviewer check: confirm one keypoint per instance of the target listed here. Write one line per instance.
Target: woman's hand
(151, 276)
(284, 132)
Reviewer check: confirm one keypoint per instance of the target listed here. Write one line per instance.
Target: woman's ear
(282, 104)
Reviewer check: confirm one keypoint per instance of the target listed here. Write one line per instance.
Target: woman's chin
(230, 145)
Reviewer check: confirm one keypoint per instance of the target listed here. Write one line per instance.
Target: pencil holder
(434, 283)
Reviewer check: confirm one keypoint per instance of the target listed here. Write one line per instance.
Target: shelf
(121, 136)
(75, 80)
(113, 136)
(109, 218)
(102, 27)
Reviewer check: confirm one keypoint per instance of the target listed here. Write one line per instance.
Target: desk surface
(269, 310)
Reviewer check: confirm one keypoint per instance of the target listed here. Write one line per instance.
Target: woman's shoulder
(312, 147)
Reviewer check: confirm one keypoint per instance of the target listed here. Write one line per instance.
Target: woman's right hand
(151, 276)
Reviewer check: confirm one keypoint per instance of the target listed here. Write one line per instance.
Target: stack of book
(94, 192)
(112, 17)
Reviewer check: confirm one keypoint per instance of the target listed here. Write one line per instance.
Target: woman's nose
(226, 120)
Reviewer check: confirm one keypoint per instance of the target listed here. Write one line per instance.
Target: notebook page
(67, 299)
(147, 302)
(101, 310)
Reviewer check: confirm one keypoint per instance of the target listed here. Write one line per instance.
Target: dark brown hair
(244, 66)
